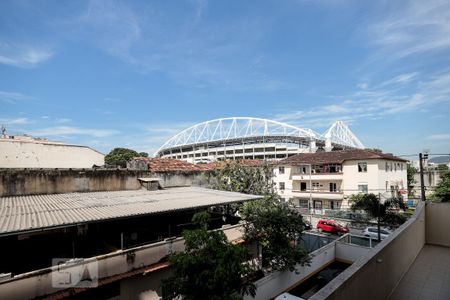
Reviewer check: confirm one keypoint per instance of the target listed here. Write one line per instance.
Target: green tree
(442, 190)
(210, 267)
(143, 154)
(236, 177)
(270, 222)
(276, 227)
(120, 156)
(410, 171)
(385, 212)
(442, 167)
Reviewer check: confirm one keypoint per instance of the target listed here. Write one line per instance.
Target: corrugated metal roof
(38, 212)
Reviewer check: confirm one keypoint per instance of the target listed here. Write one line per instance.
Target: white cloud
(440, 137)
(13, 97)
(68, 131)
(412, 28)
(23, 56)
(363, 85)
(375, 103)
(16, 121)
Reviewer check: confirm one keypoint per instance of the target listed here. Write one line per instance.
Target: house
(326, 180)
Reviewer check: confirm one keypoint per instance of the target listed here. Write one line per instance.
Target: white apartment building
(30, 152)
(326, 180)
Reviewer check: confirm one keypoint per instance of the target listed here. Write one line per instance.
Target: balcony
(318, 176)
(319, 194)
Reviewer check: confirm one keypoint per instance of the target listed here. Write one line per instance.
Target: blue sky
(133, 73)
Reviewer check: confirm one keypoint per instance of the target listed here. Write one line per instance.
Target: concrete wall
(39, 283)
(438, 223)
(30, 154)
(376, 275)
(28, 182)
(350, 253)
(279, 282)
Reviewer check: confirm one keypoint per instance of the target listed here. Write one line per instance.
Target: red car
(331, 227)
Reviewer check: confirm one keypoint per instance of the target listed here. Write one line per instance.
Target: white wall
(286, 178)
(279, 282)
(375, 177)
(25, 154)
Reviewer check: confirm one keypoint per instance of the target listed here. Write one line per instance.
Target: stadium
(253, 138)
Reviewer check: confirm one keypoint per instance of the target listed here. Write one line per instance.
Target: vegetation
(270, 222)
(276, 227)
(386, 212)
(143, 154)
(442, 190)
(442, 167)
(210, 267)
(410, 171)
(120, 156)
(235, 177)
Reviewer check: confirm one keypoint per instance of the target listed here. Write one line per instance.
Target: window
(333, 187)
(281, 170)
(363, 188)
(387, 167)
(303, 170)
(362, 167)
(281, 186)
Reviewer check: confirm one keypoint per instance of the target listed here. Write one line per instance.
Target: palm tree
(385, 212)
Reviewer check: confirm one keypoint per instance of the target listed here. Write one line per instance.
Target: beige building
(326, 180)
(29, 152)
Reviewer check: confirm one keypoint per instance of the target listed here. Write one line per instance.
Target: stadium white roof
(247, 127)
(41, 212)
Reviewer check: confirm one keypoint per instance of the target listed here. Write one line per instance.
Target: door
(302, 186)
(317, 207)
(333, 187)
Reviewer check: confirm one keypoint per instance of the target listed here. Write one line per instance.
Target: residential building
(326, 180)
(30, 152)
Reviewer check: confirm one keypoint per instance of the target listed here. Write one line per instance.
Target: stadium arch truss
(253, 138)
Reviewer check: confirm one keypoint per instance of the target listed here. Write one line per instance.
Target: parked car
(373, 232)
(307, 225)
(331, 226)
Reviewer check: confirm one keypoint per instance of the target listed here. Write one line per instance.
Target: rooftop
(161, 165)
(338, 157)
(40, 212)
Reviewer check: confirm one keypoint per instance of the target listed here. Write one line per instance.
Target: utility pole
(422, 185)
(378, 217)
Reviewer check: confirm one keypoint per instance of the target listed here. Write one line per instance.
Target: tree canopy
(120, 156)
(277, 228)
(210, 267)
(385, 211)
(272, 223)
(442, 190)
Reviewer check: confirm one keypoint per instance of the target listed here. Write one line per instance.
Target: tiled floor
(428, 277)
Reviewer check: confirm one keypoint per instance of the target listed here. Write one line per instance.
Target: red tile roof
(161, 165)
(337, 157)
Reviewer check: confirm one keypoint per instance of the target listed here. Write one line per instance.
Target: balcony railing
(318, 191)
